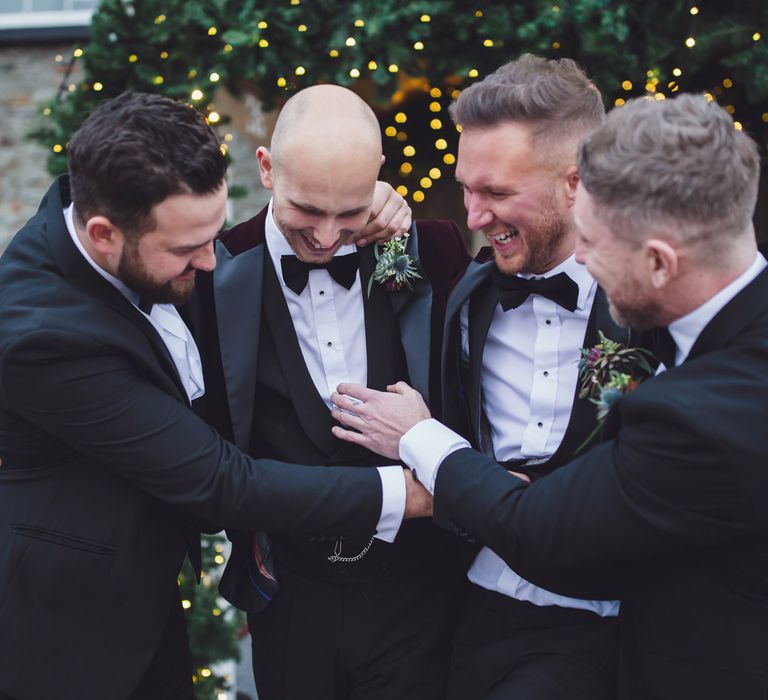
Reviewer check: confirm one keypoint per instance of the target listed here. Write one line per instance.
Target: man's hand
(418, 501)
(390, 216)
(380, 418)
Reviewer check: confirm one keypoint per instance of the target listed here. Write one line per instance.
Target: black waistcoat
(293, 424)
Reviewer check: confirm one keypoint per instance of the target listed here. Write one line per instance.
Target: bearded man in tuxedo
(668, 512)
(294, 311)
(105, 472)
(515, 324)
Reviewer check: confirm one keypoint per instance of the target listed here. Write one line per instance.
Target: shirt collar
(278, 245)
(577, 272)
(686, 330)
(69, 220)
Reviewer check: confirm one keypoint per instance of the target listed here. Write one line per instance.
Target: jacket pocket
(63, 539)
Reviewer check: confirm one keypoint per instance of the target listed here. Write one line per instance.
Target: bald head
(322, 167)
(328, 121)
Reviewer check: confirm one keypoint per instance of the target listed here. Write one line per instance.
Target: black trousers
(506, 649)
(169, 674)
(373, 641)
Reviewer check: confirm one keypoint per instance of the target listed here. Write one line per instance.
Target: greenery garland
(408, 59)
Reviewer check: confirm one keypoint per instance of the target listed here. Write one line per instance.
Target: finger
(373, 235)
(400, 387)
(524, 477)
(350, 420)
(357, 391)
(362, 242)
(349, 436)
(346, 403)
(402, 220)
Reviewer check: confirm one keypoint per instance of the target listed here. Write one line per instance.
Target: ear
(663, 262)
(571, 184)
(265, 167)
(104, 237)
(383, 158)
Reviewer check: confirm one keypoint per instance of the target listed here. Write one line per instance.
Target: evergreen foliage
(394, 52)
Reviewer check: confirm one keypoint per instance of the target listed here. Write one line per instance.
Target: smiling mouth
(315, 248)
(504, 237)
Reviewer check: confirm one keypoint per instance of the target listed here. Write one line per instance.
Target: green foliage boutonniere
(395, 269)
(607, 371)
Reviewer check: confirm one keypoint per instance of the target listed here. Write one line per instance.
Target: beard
(133, 273)
(631, 310)
(544, 238)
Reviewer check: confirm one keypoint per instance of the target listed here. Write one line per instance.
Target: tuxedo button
(341, 571)
(384, 568)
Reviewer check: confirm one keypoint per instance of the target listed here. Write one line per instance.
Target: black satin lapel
(237, 286)
(375, 307)
(313, 414)
(381, 339)
(122, 306)
(583, 418)
(413, 311)
(454, 407)
(482, 305)
(600, 319)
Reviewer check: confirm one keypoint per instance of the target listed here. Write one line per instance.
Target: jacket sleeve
(661, 487)
(91, 398)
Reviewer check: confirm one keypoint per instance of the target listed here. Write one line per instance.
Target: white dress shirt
(330, 326)
(164, 317)
(329, 320)
(528, 381)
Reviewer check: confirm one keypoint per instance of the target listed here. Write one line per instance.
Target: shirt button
(541, 425)
(329, 344)
(548, 322)
(546, 374)
(321, 292)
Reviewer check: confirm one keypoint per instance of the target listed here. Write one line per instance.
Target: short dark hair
(553, 97)
(136, 150)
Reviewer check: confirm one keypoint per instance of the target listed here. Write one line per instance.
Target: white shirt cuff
(392, 503)
(425, 446)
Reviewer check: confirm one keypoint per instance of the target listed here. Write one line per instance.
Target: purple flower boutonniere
(608, 371)
(395, 269)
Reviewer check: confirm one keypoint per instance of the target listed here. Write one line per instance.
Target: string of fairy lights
(418, 163)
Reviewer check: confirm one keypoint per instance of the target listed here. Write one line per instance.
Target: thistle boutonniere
(395, 269)
(608, 371)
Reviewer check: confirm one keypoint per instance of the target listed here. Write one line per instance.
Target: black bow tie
(514, 290)
(296, 272)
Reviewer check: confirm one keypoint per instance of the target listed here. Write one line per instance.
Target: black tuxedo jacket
(673, 506)
(461, 391)
(227, 313)
(105, 470)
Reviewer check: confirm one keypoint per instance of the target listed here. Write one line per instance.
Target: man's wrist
(392, 502)
(425, 446)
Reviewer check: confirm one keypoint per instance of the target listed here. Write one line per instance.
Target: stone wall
(30, 75)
